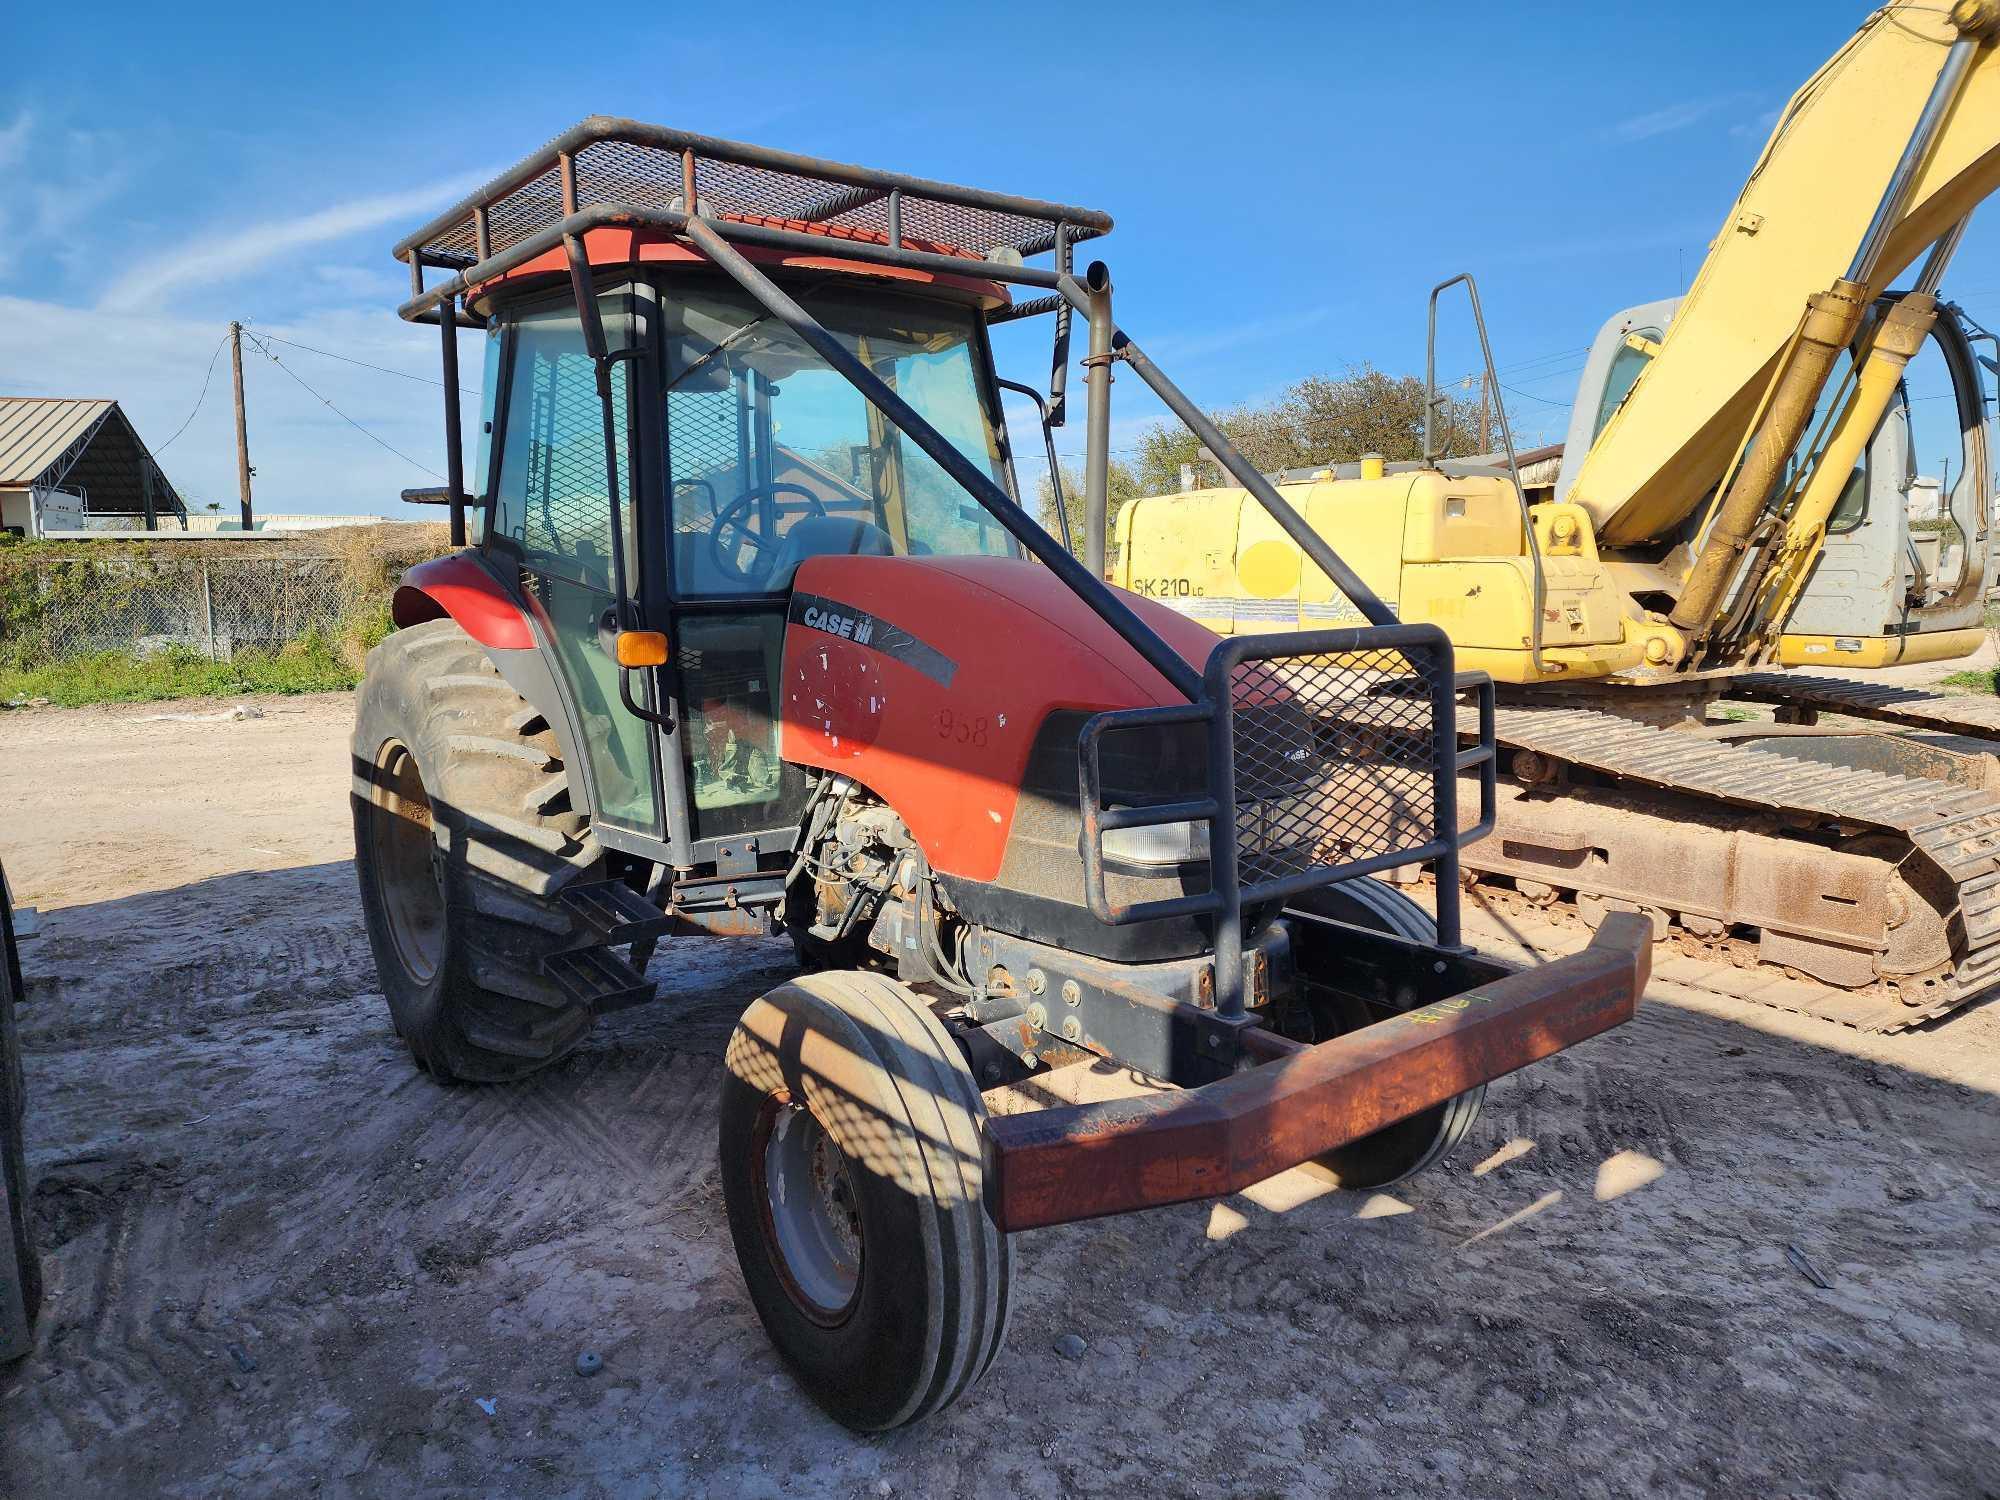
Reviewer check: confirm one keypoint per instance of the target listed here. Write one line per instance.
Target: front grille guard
(1331, 754)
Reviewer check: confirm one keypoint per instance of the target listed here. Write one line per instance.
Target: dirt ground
(282, 1262)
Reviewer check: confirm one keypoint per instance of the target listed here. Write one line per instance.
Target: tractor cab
(743, 456)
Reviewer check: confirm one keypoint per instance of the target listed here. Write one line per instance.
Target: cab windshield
(773, 457)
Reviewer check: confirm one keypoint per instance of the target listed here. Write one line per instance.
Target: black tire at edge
(20, 1266)
(931, 1309)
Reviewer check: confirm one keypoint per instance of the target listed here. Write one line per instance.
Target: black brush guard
(1331, 754)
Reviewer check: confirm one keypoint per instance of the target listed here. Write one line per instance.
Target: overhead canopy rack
(613, 173)
(618, 164)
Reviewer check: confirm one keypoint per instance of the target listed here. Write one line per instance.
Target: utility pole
(243, 469)
(1485, 445)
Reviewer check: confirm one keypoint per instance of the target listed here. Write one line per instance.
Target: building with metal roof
(66, 462)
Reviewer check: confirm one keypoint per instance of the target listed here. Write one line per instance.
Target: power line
(348, 359)
(1544, 359)
(1531, 396)
(1515, 369)
(198, 399)
(266, 350)
(1561, 372)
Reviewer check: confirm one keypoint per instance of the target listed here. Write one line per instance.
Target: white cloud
(1760, 128)
(1194, 346)
(362, 284)
(52, 189)
(14, 140)
(307, 458)
(219, 255)
(91, 176)
(13, 151)
(1671, 118)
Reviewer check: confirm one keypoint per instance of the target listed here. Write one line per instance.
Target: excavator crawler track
(1912, 708)
(1956, 829)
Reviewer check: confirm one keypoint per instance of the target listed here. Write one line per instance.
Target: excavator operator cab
(1909, 542)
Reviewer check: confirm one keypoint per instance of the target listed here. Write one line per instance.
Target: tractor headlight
(1162, 845)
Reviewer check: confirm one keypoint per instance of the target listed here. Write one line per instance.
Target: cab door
(551, 512)
(734, 491)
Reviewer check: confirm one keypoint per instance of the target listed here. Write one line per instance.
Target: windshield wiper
(730, 341)
(720, 348)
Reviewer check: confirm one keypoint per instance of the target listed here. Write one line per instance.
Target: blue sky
(1288, 182)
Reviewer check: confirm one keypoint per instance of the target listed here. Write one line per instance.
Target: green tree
(1121, 484)
(1322, 419)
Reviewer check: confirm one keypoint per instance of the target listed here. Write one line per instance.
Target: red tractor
(757, 638)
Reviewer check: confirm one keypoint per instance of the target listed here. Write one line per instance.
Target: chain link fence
(213, 606)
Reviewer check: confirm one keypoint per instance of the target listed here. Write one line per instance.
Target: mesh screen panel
(702, 438)
(566, 503)
(1333, 760)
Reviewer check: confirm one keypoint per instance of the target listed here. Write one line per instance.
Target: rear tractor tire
(20, 1266)
(853, 1174)
(1424, 1139)
(464, 838)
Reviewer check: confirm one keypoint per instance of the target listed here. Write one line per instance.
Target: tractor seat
(810, 536)
(826, 536)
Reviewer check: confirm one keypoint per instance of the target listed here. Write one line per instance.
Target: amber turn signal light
(642, 648)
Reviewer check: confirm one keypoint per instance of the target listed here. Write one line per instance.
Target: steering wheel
(735, 517)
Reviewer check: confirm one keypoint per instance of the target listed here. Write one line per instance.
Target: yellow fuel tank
(1436, 547)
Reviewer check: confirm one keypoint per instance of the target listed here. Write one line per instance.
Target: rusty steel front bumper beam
(1054, 1166)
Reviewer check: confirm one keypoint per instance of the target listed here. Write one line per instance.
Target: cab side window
(1627, 365)
(552, 498)
(489, 397)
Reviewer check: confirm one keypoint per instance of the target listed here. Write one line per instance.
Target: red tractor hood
(925, 679)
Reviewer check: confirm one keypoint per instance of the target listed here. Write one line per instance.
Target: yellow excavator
(1726, 509)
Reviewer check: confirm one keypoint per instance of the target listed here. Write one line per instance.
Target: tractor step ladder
(612, 914)
(609, 914)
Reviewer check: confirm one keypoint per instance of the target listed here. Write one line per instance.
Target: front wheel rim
(812, 1217)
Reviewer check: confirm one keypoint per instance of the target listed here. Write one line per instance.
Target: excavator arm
(1883, 152)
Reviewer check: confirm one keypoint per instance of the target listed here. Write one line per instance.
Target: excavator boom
(1866, 157)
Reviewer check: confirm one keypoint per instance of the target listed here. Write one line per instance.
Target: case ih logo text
(831, 617)
(856, 628)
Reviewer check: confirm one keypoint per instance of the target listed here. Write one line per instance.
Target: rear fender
(461, 586)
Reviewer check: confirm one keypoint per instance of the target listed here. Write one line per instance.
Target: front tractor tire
(1424, 1139)
(853, 1175)
(464, 838)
